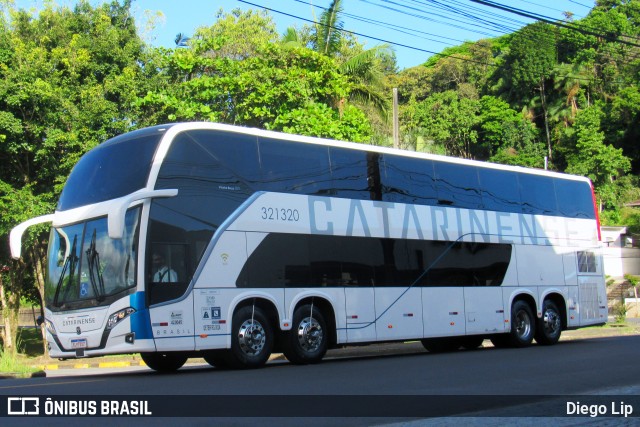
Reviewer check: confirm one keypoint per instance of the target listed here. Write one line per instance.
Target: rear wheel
(523, 325)
(550, 325)
(440, 345)
(251, 338)
(306, 342)
(164, 362)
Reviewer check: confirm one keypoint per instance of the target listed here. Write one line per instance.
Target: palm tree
(364, 68)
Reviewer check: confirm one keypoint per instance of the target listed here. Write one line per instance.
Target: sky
(416, 29)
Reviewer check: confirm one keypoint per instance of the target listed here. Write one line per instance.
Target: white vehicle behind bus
(208, 240)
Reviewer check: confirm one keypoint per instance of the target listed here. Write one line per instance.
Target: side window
(408, 180)
(538, 194)
(499, 190)
(457, 185)
(574, 199)
(587, 262)
(167, 271)
(294, 167)
(349, 173)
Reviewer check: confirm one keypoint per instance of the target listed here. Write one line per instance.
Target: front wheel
(550, 325)
(164, 362)
(251, 338)
(306, 342)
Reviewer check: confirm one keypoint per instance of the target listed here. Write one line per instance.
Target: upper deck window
(113, 169)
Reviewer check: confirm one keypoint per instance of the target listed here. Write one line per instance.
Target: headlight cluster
(118, 316)
(49, 325)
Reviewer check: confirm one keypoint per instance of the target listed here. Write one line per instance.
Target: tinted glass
(457, 185)
(408, 180)
(500, 191)
(208, 193)
(238, 153)
(574, 199)
(113, 169)
(349, 173)
(294, 167)
(538, 194)
(296, 260)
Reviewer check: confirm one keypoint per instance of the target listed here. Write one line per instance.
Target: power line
(365, 35)
(549, 20)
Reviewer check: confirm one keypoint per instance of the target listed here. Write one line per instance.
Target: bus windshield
(89, 269)
(113, 169)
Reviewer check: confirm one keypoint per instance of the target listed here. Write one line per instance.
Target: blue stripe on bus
(140, 320)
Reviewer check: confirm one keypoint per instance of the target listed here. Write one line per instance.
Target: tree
(449, 119)
(531, 61)
(279, 88)
(241, 33)
(590, 156)
(365, 68)
(68, 79)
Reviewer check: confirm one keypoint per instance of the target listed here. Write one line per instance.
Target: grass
(16, 364)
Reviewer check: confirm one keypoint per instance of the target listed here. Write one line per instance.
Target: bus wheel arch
(312, 331)
(553, 320)
(252, 333)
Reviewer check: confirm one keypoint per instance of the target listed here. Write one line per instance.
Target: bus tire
(440, 345)
(471, 342)
(251, 338)
(306, 342)
(523, 325)
(549, 325)
(217, 358)
(164, 362)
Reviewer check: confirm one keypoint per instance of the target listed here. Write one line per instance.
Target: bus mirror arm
(15, 237)
(116, 216)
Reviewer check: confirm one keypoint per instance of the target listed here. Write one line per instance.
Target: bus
(229, 243)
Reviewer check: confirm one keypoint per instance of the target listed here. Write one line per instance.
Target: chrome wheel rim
(523, 324)
(310, 334)
(551, 322)
(251, 337)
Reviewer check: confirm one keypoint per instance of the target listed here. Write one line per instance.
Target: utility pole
(396, 128)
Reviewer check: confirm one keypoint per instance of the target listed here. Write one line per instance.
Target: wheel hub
(551, 321)
(251, 337)
(310, 334)
(523, 324)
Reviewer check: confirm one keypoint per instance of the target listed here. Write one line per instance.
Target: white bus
(208, 240)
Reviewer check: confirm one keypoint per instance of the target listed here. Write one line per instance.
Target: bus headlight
(49, 325)
(118, 316)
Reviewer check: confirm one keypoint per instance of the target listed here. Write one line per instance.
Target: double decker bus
(228, 243)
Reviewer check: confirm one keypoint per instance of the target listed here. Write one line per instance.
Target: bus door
(443, 311)
(171, 310)
(484, 309)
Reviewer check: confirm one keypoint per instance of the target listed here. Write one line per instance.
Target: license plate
(79, 343)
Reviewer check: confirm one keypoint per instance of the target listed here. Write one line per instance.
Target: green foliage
(320, 120)
(449, 120)
(590, 156)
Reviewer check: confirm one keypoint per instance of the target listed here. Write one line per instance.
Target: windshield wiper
(69, 264)
(95, 275)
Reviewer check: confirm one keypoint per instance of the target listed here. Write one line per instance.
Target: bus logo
(23, 406)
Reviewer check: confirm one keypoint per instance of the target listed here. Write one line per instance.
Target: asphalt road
(391, 382)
